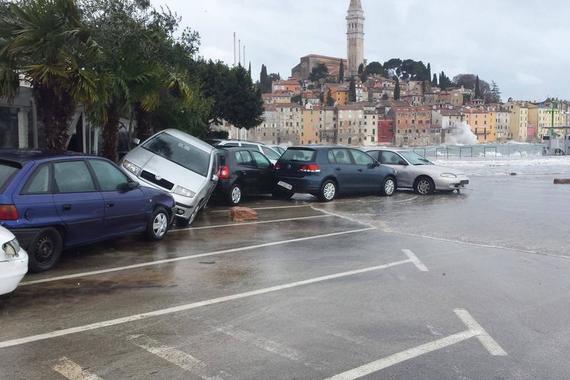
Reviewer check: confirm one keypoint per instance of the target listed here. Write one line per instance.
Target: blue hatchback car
(326, 171)
(53, 202)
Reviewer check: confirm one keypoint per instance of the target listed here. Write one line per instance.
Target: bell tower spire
(355, 36)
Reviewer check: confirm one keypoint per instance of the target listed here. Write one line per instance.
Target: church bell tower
(355, 36)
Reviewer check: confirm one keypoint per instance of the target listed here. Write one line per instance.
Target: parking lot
(468, 286)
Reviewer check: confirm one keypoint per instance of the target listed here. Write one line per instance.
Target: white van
(180, 164)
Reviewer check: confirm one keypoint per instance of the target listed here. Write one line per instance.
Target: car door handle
(110, 205)
(338, 169)
(360, 170)
(66, 207)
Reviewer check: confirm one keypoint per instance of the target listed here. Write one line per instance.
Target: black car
(326, 171)
(243, 171)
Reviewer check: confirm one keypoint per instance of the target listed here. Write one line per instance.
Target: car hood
(166, 169)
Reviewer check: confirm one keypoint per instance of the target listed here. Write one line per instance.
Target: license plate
(285, 185)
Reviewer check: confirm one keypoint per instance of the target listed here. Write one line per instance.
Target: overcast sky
(522, 45)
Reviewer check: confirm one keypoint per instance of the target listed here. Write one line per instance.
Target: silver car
(180, 164)
(418, 173)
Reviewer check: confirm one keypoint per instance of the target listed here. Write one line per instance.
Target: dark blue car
(53, 202)
(326, 171)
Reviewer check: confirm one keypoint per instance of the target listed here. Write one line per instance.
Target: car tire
(45, 250)
(235, 195)
(158, 224)
(424, 186)
(389, 187)
(328, 192)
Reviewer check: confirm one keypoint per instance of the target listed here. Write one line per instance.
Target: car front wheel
(158, 224)
(45, 250)
(328, 191)
(389, 187)
(424, 186)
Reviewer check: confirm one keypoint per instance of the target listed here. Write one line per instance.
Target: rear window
(300, 155)
(179, 152)
(7, 171)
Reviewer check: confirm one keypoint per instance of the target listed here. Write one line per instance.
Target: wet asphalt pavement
(468, 286)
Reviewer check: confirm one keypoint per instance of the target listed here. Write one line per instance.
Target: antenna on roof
(235, 48)
(239, 51)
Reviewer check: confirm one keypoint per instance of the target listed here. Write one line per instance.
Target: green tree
(397, 89)
(341, 72)
(46, 43)
(264, 80)
(375, 68)
(352, 91)
(444, 81)
(428, 74)
(477, 88)
(330, 99)
(434, 80)
(321, 71)
(495, 93)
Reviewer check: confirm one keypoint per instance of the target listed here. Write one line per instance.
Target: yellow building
(518, 123)
(310, 118)
(482, 123)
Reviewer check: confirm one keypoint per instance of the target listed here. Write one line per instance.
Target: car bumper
(25, 236)
(305, 185)
(444, 183)
(12, 272)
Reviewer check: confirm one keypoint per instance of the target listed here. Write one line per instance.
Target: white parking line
(343, 217)
(474, 330)
(190, 257)
(252, 223)
(486, 340)
(172, 355)
(417, 262)
(73, 371)
(194, 305)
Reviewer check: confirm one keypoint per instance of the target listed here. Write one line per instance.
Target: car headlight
(179, 190)
(11, 248)
(448, 175)
(136, 170)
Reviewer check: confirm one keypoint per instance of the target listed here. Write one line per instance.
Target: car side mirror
(136, 141)
(215, 178)
(128, 186)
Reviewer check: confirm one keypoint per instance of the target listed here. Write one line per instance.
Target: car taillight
(8, 212)
(224, 172)
(278, 166)
(310, 168)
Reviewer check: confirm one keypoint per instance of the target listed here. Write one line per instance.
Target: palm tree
(45, 43)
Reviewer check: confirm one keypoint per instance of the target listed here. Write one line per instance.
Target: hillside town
(332, 100)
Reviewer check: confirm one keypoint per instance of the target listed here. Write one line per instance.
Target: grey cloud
(519, 44)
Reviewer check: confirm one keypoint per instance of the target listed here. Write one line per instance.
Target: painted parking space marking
(190, 257)
(174, 356)
(252, 223)
(343, 217)
(417, 262)
(73, 371)
(195, 305)
(474, 330)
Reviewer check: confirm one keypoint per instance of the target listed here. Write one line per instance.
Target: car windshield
(415, 159)
(300, 155)
(179, 152)
(6, 172)
(270, 153)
